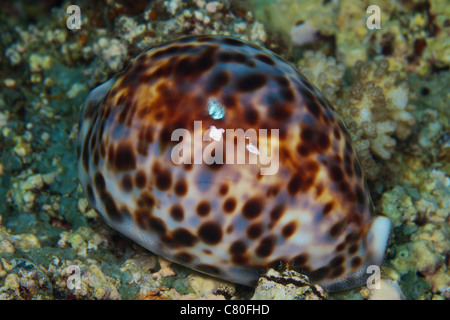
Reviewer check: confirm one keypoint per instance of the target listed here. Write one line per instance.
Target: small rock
(212, 7)
(288, 285)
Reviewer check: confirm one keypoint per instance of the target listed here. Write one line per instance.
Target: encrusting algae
(389, 85)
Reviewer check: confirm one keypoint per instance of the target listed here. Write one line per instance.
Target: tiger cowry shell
(228, 220)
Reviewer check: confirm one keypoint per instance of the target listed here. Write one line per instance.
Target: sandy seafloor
(391, 86)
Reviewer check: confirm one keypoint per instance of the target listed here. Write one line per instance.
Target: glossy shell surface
(227, 219)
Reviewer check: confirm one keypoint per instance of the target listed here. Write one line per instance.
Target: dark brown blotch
(251, 82)
(181, 188)
(289, 229)
(340, 247)
(141, 217)
(217, 81)
(99, 182)
(205, 60)
(338, 228)
(280, 110)
(232, 41)
(157, 225)
(266, 246)
(203, 208)
(210, 232)
(253, 207)
(223, 189)
(163, 178)
(320, 273)
(287, 94)
(352, 237)
(327, 208)
(251, 115)
(300, 182)
(337, 272)
(184, 237)
(177, 212)
(124, 158)
(336, 173)
(146, 200)
(229, 205)
(90, 109)
(239, 260)
(230, 101)
(272, 191)
(85, 152)
(127, 183)
(337, 132)
(140, 179)
(353, 248)
(300, 260)
(90, 194)
(303, 149)
(184, 257)
(323, 141)
(265, 59)
(255, 230)
(184, 67)
(238, 247)
(337, 261)
(311, 102)
(96, 157)
(171, 50)
(277, 212)
(110, 206)
(356, 262)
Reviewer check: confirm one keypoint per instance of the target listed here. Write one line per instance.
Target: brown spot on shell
(276, 213)
(353, 248)
(265, 58)
(266, 246)
(255, 230)
(217, 81)
(203, 208)
(337, 261)
(238, 247)
(90, 194)
(140, 179)
(181, 188)
(327, 208)
(340, 247)
(320, 273)
(338, 228)
(289, 229)
(300, 260)
(253, 208)
(184, 257)
(177, 212)
(356, 262)
(251, 82)
(210, 232)
(99, 182)
(184, 237)
(337, 272)
(303, 179)
(223, 189)
(163, 178)
(229, 205)
(124, 158)
(127, 183)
